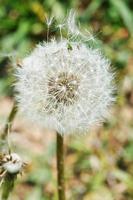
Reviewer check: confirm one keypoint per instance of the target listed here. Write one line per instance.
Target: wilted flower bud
(10, 166)
(12, 163)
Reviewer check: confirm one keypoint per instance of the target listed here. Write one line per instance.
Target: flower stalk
(8, 185)
(60, 167)
(7, 179)
(9, 122)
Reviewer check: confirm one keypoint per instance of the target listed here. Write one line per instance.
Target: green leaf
(90, 10)
(125, 13)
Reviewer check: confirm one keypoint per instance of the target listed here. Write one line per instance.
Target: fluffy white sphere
(64, 87)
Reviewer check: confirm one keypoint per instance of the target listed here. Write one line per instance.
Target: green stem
(9, 122)
(60, 167)
(8, 185)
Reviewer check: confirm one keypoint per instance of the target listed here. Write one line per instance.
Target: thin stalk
(8, 185)
(60, 167)
(8, 125)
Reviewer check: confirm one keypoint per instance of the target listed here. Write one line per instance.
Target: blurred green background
(99, 166)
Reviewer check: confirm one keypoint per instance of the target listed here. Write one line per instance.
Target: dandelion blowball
(65, 86)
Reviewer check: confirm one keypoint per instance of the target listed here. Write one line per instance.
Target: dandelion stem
(60, 167)
(8, 185)
(9, 122)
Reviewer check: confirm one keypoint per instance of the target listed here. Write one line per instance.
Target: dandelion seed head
(65, 86)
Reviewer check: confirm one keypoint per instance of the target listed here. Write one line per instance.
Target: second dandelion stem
(8, 185)
(60, 167)
(9, 122)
